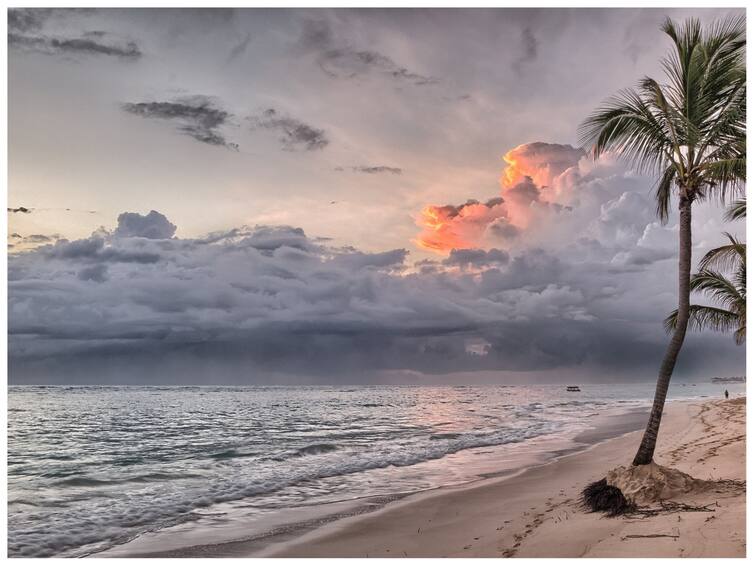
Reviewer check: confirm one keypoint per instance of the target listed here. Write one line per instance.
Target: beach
(536, 513)
(345, 471)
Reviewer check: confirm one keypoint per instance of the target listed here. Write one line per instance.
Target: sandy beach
(536, 512)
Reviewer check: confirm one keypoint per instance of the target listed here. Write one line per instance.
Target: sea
(150, 470)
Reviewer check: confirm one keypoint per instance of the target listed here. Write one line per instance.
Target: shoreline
(244, 540)
(536, 513)
(529, 511)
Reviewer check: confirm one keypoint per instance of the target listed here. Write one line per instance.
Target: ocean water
(92, 467)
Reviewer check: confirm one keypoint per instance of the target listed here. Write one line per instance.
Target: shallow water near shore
(91, 468)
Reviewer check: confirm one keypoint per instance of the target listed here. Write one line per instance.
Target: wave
(315, 449)
(127, 518)
(85, 481)
(232, 454)
(444, 436)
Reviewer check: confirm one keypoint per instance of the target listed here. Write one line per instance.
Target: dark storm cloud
(128, 243)
(129, 50)
(374, 169)
(197, 116)
(153, 225)
(96, 273)
(476, 258)
(87, 45)
(94, 249)
(339, 60)
(528, 52)
(273, 299)
(503, 230)
(294, 134)
(27, 19)
(271, 238)
(381, 260)
(27, 30)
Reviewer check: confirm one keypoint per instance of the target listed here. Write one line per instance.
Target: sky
(336, 196)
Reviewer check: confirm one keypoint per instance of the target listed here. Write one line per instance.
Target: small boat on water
(573, 389)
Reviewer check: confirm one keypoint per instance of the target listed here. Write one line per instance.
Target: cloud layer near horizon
(267, 301)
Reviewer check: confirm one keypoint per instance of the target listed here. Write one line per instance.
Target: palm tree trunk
(647, 446)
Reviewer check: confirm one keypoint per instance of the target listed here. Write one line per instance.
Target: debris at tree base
(636, 536)
(600, 496)
(667, 508)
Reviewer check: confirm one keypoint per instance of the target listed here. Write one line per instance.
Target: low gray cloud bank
(137, 304)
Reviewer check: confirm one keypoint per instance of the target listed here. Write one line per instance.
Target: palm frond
(705, 317)
(717, 287)
(628, 125)
(663, 192)
(740, 335)
(737, 210)
(727, 258)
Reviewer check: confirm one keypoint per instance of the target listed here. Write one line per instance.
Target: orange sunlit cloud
(526, 184)
(448, 227)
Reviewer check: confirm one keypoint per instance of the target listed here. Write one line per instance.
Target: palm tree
(690, 132)
(731, 294)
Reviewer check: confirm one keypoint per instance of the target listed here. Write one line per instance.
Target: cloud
(30, 241)
(540, 161)
(38, 238)
(267, 239)
(537, 182)
(153, 225)
(96, 273)
(393, 259)
(529, 50)
(26, 26)
(26, 31)
(27, 19)
(458, 226)
(97, 249)
(273, 300)
(240, 48)
(337, 59)
(476, 258)
(373, 169)
(294, 134)
(79, 45)
(198, 117)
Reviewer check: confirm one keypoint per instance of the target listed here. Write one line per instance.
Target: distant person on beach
(726, 394)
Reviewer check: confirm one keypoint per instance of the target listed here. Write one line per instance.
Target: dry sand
(536, 513)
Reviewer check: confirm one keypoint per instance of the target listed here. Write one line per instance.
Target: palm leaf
(737, 210)
(705, 317)
(727, 258)
(717, 287)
